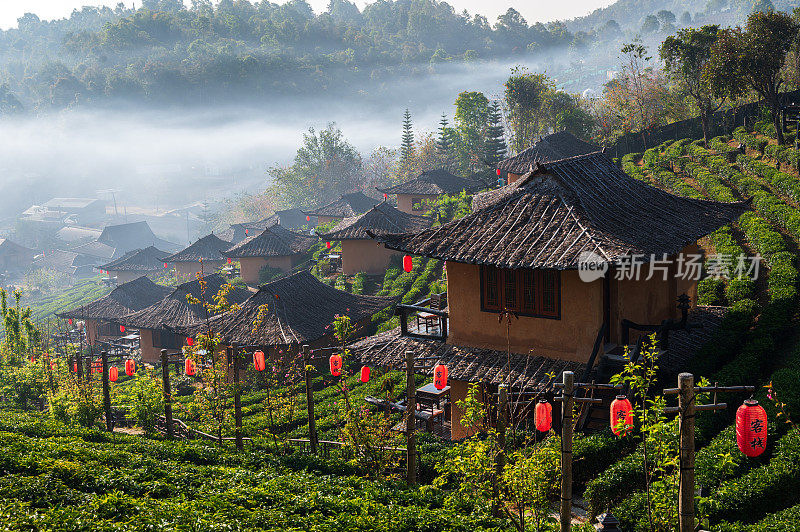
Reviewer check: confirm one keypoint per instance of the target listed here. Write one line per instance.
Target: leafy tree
(753, 59)
(326, 166)
(472, 113)
(686, 57)
(686, 18)
(494, 148)
(650, 24)
(523, 98)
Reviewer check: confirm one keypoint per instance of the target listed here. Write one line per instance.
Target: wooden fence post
(312, 423)
(106, 392)
(566, 451)
(167, 392)
(500, 458)
(411, 421)
(237, 398)
(686, 411)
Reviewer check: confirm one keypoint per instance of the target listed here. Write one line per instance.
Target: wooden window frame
(525, 278)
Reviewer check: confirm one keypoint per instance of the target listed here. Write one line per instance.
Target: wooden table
(430, 395)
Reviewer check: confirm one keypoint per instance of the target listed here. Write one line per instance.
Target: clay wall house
(292, 219)
(205, 255)
(99, 315)
(553, 147)
(519, 251)
(159, 324)
(347, 206)
(275, 247)
(414, 197)
(287, 313)
(360, 253)
(134, 264)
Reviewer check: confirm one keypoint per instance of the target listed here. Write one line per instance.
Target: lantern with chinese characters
(751, 428)
(258, 361)
(621, 416)
(440, 377)
(364, 373)
(189, 367)
(122, 328)
(336, 365)
(543, 416)
(408, 264)
(130, 367)
(328, 245)
(190, 342)
(113, 374)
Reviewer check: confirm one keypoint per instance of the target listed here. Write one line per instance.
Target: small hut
(206, 254)
(292, 311)
(159, 322)
(347, 206)
(360, 253)
(275, 247)
(554, 147)
(99, 315)
(134, 264)
(415, 196)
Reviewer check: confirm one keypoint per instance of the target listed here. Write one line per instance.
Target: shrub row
(786, 183)
(751, 141)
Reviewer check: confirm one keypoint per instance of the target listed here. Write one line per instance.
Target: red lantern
(165, 264)
(258, 361)
(122, 328)
(189, 367)
(328, 245)
(543, 416)
(751, 428)
(408, 264)
(336, 365)
(230, 260)
(364, 373)
(308, 218)
(33, 359)
(246, 231)
(499, 172)
(74, 367)
(113, 374)
(385, 196)
(190, 342)
(130, 367)
(621, 416)
(69, 321)
(440, 376)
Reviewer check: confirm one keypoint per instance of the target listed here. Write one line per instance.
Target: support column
(167, 393)
(237, 398)
(411, 421)
(566, 452)
(106, 392)
(312, 423)
(686, 409)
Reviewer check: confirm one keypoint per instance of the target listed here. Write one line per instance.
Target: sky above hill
(532, 10)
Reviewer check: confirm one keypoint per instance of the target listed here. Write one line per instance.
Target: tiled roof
(382, 218)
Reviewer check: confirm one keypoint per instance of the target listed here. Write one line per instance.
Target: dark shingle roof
(130, 236)
(124, 299)
(382, 218)
(289, 218)
(469, 364)
(274, 241)
(300, 309)
(174, 310)
(98, 250)
(346, 206)
(433, 183)
(210, 247)
(561, 145)
(551, 216)
(148, 259)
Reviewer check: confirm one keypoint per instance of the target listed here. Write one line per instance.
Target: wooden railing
(405, 310)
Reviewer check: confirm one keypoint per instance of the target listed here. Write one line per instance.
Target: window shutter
(491, 287)
(510, 292)
(550, 281)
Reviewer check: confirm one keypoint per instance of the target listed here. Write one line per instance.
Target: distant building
(206, 255)
(135, 264)
(15, 258)
(81, 210)
(117, 240)
(360, 253)
(413, 197)
(347, 206)
(274, 247)
(554, 147)
(67, 262)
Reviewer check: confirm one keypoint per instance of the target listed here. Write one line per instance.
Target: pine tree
(407, 149)
(495, 144)
(445, 146)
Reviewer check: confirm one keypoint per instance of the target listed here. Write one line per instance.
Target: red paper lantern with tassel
(189, 367)
(408, 263)
(258, 361)
(543, 416)
(335, 363)
(130, 367)
(751, 428)
(113, 374)
(440, 377)
(190, 342)
(365, 373)
(621, 416)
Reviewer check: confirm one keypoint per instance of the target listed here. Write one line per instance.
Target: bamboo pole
(106, 392)
(566, 451)
(167, 393)
(237, 399)
(312, 423)
(500, 458)
(411, 421)
(686, 484)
